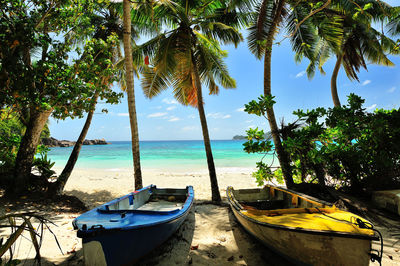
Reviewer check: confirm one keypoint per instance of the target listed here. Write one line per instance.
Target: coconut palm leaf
(211, 66)
(304, 38)
(322, 53)
(261, 25)
(221, 32)
(394, 22)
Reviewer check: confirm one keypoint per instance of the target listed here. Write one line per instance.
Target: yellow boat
(302, 228)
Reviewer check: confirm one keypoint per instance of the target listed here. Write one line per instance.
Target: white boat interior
(151, 199)
(270, 198)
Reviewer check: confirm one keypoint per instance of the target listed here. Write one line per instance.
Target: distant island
(52, 142)
(240, 137)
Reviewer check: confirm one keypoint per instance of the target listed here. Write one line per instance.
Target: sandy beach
(211, 234)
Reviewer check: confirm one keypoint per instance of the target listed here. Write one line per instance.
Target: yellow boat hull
(304, 237)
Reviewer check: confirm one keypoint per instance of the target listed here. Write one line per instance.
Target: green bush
(346, 147)
(11, 131)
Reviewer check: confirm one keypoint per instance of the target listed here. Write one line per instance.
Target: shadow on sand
(175, 251)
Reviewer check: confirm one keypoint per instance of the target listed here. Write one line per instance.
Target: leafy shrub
(11, 131)
(346, 147)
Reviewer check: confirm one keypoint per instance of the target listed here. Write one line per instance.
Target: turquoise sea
(159, 155)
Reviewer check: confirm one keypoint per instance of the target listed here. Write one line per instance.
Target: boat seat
(263, 204)
(130, 202)
(160, 205)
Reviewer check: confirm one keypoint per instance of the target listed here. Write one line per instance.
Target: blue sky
(162, 118)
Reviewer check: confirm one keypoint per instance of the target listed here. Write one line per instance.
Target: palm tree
(270, 14)
(358, 44)
(302, 19)
(188, 56)
(106, 21)
(131, 93)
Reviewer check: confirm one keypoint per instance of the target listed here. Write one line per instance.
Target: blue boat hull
(112, 236)
(124, 247)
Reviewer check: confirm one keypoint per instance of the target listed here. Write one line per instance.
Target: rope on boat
(366, 225)
(363, 225)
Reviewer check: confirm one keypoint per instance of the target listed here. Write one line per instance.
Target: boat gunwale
(179, 213)
(235, 207)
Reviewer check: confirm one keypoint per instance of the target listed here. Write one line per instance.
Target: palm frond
(209, 58)
(302, 38)
(220, 31)
(322, 52)
(154, 81)
(393, 25)
(260, 27)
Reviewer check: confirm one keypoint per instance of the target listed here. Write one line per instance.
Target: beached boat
(302, 228)
(123, 230)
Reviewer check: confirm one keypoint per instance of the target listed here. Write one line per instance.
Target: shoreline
(96, 186)
(181, 170)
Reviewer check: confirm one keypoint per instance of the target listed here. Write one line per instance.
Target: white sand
(211, 231)
(95, 186)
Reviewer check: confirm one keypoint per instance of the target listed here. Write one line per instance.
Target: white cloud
(173, 119)
(218, 116)
(169, 101)
(240, 109)
(171, 108)
(371, 107)
(123, 114)
(189, 128)
(157, 114)
(249, 121)
(300, 74)
(251, 126)
(191, 116)
(366, 82)
(391, 90)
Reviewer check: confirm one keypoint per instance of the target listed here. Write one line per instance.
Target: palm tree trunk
(215, 195)
(282, 155)
(131, 95)
(59, 185)
(335, 73)
(27, 150)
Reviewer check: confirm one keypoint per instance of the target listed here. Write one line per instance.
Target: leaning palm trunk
(59, 185)
(335, 73)
(282, 155)
(215, 195)
(131, 95)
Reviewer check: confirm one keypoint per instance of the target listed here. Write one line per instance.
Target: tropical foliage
(357, 42)
(37, 77)
(18, 224)
(346, 147)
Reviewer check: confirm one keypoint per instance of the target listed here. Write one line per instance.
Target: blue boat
(125, 229)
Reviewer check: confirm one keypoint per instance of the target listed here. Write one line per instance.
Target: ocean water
(159, 155)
